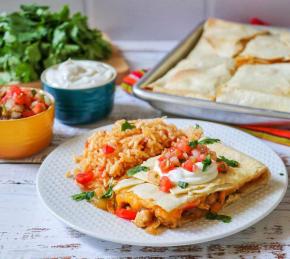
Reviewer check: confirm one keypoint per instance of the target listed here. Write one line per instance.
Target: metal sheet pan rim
(199, 103)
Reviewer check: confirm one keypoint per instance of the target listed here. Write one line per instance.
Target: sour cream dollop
(79, 74)
(182, 175)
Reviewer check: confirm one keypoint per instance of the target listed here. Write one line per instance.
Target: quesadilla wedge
(260, 85)
(229, 38)
(194, 82)
(190, 180)
(266, 49)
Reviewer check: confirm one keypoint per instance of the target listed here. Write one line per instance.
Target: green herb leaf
(206, 163)
(33, 92)
(108, 193)
(193, 143)
(197, 126)
(182, 185)
(36, 37)
(229, 162)
(137, 169)
(83, 196)
(207, 141)
(127, 125)
(214, 216)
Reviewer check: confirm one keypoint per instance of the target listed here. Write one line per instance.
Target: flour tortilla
(235, 179)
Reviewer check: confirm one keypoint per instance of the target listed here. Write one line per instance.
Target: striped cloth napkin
(274, 132)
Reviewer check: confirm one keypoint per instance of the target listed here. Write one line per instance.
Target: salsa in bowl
(26, 121)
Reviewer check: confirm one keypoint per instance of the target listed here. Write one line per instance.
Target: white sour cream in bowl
(78, 74)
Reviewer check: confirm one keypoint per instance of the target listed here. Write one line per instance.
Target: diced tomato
(14, 89)
(176, 152)
(222, 167)
(27, 113)
(166, 166)
(189, 165)
(165, 184)
(28, 100)
(174, 160)
(85, 177)
(38, 108)
(161, 158)
(126, 213)
(183, 146)
(19, 99)
(107, 149)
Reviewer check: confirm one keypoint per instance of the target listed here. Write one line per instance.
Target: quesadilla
(194, 82)
(263, 49)
(187, 182)
(260, 86)
(228, 38)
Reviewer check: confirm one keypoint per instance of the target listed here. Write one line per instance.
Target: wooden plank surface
(28, 230)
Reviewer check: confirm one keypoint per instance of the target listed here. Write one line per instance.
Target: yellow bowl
(21, 138)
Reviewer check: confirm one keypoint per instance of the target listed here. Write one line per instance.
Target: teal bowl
(83, 105)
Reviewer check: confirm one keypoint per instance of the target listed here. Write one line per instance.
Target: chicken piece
(143, 218)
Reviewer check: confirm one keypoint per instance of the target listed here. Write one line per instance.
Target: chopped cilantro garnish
(193, 143)
(182, 185)
(83, 196)
(206, 163)
(207, 141)
(214, 216)
(229, 162)
(197, 126)
(127, 125)
(33, 92)
(108, 193)
(137, 169)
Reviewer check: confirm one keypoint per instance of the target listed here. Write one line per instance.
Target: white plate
(55, 191)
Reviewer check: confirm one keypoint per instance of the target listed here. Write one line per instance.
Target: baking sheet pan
(198, 108)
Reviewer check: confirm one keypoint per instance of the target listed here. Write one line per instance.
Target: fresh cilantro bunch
(35, 38)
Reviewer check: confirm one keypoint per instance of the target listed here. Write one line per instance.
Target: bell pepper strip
(107, 149)
(126, 213)
(84, 178)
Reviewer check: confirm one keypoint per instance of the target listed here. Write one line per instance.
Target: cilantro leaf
(35, 37)
(214, 216)
(83, 196)
(182, 185)
(127, 125)
(137, 169)
(229, 162)
(207, 141)
(193, 143)
(206, 163)
(108, 193)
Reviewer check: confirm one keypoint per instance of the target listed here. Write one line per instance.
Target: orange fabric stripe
(272, 131)
(266, 136)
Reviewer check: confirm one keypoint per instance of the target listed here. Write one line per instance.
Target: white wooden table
(28, 230)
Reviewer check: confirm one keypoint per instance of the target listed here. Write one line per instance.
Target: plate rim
(170, 243)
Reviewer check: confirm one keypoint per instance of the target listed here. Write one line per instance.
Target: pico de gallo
(17, 102)
(190, 162)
